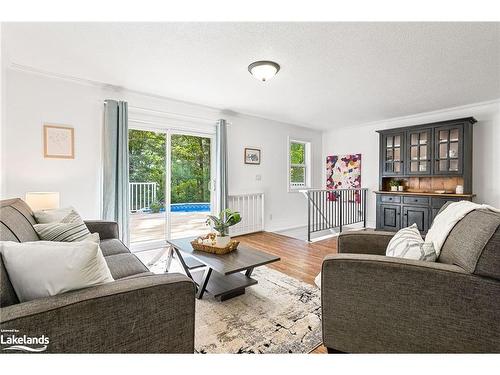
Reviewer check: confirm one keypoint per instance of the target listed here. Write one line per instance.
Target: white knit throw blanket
(446, 220)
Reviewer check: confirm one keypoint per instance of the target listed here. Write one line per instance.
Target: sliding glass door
(147, 186)
(190, 182)
(170, 185)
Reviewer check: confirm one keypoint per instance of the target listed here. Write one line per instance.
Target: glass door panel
(449, 150)
(190, 184)
(419, 152)
(147, 176)
(393, 154)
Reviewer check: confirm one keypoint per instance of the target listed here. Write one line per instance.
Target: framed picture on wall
(252, 155)
(58, 142)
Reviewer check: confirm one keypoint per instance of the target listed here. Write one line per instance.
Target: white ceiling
(332, 74)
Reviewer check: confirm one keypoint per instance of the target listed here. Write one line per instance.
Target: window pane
(454, 150)
(454, 135)
(397, 167)
(443, 135)
(389, 167)
(453, 165)
(414, 153)
(443, 165)
(297, 153)
(297, 175)
(397, 154)
(414, 166)
(423, 138)
(389, 154)
(414, 139)
(397, 141)
(422, 167)
(423, 152)
(389, 141)
(443, 151)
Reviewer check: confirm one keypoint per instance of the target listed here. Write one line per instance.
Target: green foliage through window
(297, 153)
(190, 164)
(190, 169)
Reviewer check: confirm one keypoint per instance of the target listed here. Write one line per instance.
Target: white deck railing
(141, 195)
(251, 208)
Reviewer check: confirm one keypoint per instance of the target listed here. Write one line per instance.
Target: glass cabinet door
(448, 152)
(393, 154)
(419, 151)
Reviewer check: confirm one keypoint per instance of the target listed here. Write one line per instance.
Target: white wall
(34, 99)
(287, 209)
(486, 155)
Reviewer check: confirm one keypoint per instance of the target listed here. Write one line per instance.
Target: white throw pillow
(408, 243)
(62, 232)
(66, 215)
(41, 269)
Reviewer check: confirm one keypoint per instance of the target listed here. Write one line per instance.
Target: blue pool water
(190, 207)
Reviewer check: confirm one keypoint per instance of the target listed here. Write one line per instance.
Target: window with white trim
(299, 164)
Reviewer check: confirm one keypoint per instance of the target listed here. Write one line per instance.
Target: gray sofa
(137, 313)
(377, 304)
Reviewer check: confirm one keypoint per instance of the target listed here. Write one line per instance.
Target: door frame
(169, 130)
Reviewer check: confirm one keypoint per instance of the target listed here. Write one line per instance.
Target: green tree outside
(190, 169)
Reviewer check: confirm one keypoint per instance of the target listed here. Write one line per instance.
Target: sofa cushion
(7, 294)
(488, 264)
(112, 247)
(7, 234)
(18, 218)
(123, 265)
(467, 240)
(16, 224)
(149, 273)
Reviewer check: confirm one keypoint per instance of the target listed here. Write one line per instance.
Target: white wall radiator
(251, 208)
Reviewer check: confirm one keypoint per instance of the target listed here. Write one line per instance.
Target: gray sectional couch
(373, 304)
(137, 313)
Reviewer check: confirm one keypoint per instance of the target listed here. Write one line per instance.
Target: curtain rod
(210, 120)
(203, 119)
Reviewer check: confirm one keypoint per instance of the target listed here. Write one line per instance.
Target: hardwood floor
(299, 259)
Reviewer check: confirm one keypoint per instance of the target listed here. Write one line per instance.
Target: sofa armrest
(375, 303)
(364, 242)
(106, 229)
(150, 314)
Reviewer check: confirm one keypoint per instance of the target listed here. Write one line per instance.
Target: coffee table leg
(249, 272)
(203, 283)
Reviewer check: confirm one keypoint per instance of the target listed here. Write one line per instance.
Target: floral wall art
(343, 172)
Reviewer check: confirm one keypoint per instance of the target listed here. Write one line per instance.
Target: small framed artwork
(252, 156)
(58, 142)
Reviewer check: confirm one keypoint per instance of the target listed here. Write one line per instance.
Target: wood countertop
(429, 194)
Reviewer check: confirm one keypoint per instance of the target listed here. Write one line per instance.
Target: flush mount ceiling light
(263, 70)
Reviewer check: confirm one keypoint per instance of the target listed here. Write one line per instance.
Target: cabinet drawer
(416, 200)
(439, 202)
(390, 198)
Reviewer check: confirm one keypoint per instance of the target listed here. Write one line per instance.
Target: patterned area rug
(278, 315)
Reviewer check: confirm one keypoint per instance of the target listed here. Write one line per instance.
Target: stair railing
(332, 209)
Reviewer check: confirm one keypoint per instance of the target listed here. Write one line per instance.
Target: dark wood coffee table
(223, 275)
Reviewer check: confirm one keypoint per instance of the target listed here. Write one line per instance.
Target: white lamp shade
(42, 200)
